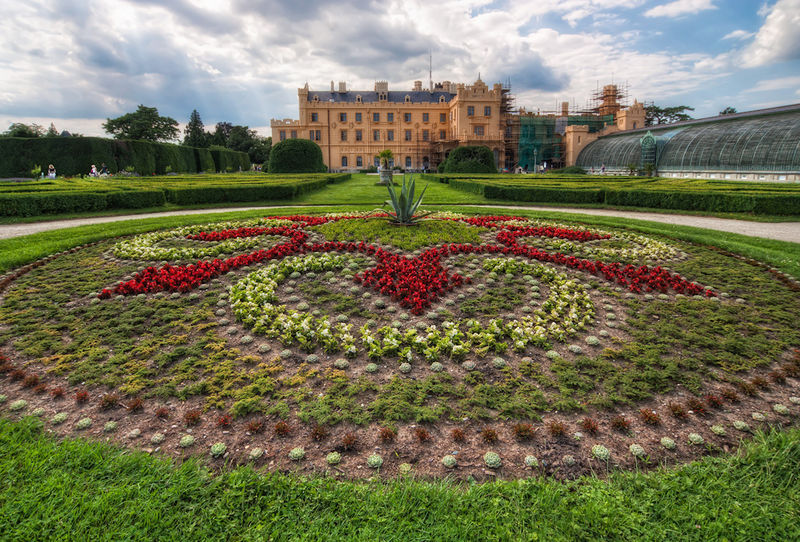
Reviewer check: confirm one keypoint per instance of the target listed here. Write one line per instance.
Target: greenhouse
(757, 145)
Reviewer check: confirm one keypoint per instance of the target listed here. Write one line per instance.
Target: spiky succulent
(296, 454)
(110, 427)
(186, 441)
(59, 418)
(668, 443)
(374, 461)
(256, 453)
(568, 460)
(37, 412)
(492, 460)
(403, 203)
(405, 468)
(718, 430)
(157, 438)
(759, 417)
(780, 409)
(531, 461)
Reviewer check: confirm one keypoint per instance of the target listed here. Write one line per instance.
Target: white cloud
(738, 35)
(780, 83)
(680, 7)
(778, 38)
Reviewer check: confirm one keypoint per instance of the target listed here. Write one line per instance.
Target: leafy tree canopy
(469, 159)
(296, 156)
(19, 129)
(728, 111)
(144, 123)
(666, 115)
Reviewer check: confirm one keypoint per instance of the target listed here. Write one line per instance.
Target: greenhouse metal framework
(756, 145)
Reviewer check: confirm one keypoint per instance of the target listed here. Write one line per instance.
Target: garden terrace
(71, 195)
(657, 193)
(562, 348)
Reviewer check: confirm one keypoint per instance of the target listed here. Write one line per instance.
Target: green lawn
(79, 490)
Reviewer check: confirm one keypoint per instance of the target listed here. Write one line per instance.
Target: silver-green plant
(449, 461)
(333, 458)
(218, 449)
(374, 461)
(403, 203)
(600, 452)
(18, 405)
(296, 454)
(492, 460)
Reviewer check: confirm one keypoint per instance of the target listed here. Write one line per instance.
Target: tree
(728, 111)
(145, 123)
(666, 115)
(259, 152)
(221, 134)
(52, 132)
(194, 134)
(296, 156)
(19, 129)
(470, 159)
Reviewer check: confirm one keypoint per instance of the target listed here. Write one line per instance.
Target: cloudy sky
(77, 62)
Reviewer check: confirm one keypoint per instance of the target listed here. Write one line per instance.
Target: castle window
(316, 98)
(376, 117)
(477, 130)
(344, 161)
(441, 99)
(314, 117)
(342, 117)
(358, 99)
(487, 111)
(389, 135)
(408, 162)
(408, 99)
(359, 161)
(282, 135)
(408, 135)
(343, 134)
(425, 135)
(442, 134)
(470, 111)
(294, 134)
(358, 135)
(425, 117)
(442, 117)
(407, 117)
(358, 117)
(376, 135)
(389, 117)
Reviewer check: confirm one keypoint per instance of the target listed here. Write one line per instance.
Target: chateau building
(419, 126)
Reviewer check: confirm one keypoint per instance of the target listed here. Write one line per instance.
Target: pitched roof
(369, 96)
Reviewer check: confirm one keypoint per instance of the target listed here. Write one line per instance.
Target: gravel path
(781, 231)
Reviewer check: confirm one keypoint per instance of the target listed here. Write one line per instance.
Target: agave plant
(403, 204)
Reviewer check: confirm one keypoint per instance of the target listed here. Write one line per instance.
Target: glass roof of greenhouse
(763, 140)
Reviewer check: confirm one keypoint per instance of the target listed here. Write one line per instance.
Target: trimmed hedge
(296, 156)
(35, 198)
(75, 156)
(685, 195)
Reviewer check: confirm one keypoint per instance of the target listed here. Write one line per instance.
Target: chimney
(417, 86)
(332, 86)
(564, 109)
(342, 86)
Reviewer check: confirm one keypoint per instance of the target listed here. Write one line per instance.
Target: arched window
(358, 99)
(441, 99)
(408, 99)
(316, 98)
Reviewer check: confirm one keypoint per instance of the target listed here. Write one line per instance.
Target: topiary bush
(469, 159)
(296, 156)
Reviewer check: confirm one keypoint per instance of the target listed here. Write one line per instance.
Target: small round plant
(718, 430)
(157, 438)
(780, 409)
(110, 427)
(405, 367)
(668, 443)
(449, 461)
(759, 417)
(218, 449)
(531, 461)
(83, 423)
(371, 367)
(186, 441)
(405, 468)
(492, 460)
(374, 461)
(16, 406)
(695, 439)
(499, 363)
(333, 458)
(59, 418)
(437, 367)
(637, 451)
(296, 454)
(600, 452)
(741, 426)
(256, 453)
(341, 363)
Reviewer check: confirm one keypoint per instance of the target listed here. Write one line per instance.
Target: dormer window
(408, 99)
(441, 99)
(382, 96)
(358, 99)
(316, 98)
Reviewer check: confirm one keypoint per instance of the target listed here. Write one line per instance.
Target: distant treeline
(75, 155)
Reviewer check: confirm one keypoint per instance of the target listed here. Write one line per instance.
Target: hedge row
(149, 194)
(75, 155)
(691, 200)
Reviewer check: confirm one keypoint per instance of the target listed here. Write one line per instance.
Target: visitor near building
(51, 171)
